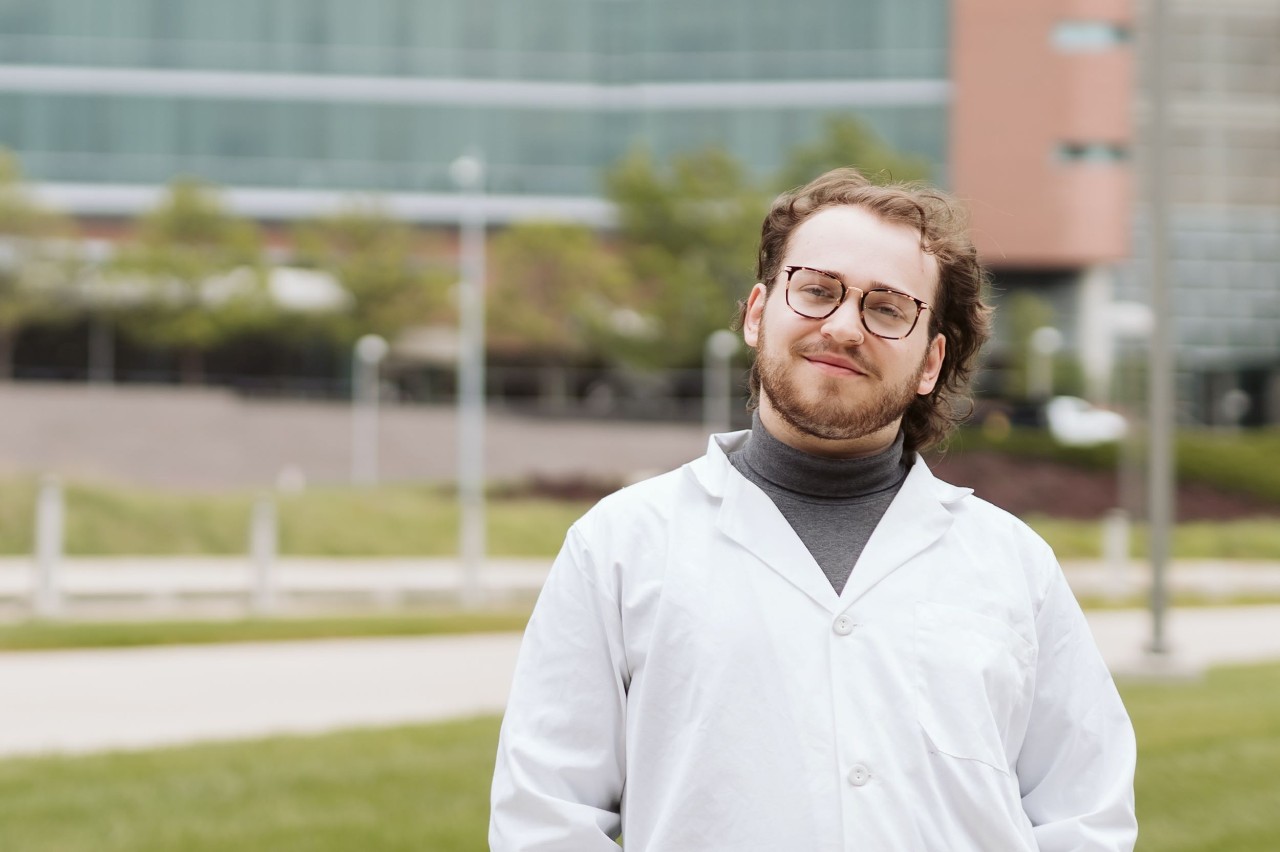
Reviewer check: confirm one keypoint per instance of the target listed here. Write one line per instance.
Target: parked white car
(1076, 422)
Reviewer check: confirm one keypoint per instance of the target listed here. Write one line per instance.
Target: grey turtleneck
(832, 504)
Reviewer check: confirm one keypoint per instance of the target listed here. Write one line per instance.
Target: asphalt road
(208, 438)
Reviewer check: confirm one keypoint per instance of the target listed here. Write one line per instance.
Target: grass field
(423, 521)
(47, 635)
(390, 520)
(1208, 780)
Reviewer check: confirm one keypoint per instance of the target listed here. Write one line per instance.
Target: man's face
(830, 386)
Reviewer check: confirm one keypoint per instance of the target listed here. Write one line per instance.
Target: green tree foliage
(688, 234)
(554, 291)
(375, 259)
(37, 263)
(1024, 313)
(850, 141)
(197, 271)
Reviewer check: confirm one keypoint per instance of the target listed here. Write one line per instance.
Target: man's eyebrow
(875, 285)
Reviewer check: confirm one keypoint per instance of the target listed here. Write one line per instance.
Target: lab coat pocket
(971, 674)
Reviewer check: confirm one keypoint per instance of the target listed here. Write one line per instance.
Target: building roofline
(446, 91)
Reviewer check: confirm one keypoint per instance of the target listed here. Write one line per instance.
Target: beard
(826, 408)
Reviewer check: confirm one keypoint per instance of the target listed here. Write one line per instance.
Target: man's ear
(755, 310)
(933, 359)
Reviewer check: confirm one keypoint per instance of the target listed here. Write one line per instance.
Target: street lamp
(468, 174)
(1160, 425)
(366, 358)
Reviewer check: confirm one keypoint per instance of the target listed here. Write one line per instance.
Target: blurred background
(325, 319)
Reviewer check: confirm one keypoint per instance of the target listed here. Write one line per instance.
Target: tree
(554, 291)
(37, 262)
(198, 273)
(688, 239)
(375, 259)
(849, 141)
(1024, 313)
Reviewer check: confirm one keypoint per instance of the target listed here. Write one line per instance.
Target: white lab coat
(690, 679)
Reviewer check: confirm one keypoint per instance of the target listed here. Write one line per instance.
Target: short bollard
(1115, 553)
(47, 591)
(262, 555)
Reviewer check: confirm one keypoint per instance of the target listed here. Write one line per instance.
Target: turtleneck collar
(801, 473)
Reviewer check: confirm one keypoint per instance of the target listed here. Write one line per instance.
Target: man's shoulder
(975, 515)
(654, 493)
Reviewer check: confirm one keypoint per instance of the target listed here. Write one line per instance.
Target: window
(1090, 36)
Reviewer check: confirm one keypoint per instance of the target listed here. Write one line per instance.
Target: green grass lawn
(1245, 539)
(390, 520)
(1209, 762)
(1208, 779)
(401, 520)
(421, 788)
(47, 635)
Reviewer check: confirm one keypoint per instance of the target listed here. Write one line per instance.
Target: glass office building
(1024, 109)
(300, 99)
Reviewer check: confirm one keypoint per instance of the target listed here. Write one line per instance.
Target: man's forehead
(846, 239)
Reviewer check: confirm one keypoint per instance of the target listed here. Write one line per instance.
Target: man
(803, 641)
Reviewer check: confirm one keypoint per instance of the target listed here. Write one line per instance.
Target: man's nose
(845, 325)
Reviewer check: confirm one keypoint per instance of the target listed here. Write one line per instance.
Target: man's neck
(768, 461)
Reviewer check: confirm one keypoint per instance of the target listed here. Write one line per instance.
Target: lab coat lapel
(749, 518)
(916, 519)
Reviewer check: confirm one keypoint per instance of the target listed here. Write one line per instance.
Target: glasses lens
(813, 294)
(888, 313)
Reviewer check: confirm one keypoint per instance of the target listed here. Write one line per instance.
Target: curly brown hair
(958, 314)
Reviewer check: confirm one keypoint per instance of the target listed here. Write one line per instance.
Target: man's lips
(836, 364)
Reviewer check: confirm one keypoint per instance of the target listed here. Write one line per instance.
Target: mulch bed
(1027, 486)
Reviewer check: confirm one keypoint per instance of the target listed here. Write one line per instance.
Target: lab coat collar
(916, 519)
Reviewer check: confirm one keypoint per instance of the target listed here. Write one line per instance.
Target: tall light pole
(468, 174)
(1160, 422)
(366, 356)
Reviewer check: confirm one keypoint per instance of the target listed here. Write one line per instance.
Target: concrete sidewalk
(105, 699)
(93, 700)
(174, 585)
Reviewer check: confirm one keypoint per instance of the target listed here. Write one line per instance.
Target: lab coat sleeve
(558, 778)
(1077, 761)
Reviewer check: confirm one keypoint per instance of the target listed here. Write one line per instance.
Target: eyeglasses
(886, 313)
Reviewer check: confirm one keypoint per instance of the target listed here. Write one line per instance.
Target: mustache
(851, 354)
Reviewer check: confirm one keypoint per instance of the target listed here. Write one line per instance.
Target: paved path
(83, 701)
(90, 700)
(174, 585)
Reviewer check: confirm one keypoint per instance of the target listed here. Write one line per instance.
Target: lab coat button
(859, 775)
(843, 625)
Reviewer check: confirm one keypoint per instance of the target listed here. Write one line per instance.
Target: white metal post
(366, 357)
(1115, 552)
(50, 511)
(262, 554)
(468, 173)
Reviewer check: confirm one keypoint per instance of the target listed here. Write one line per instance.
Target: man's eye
(815, 291)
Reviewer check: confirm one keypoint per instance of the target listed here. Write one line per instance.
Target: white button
(843, 625)
(859, 775)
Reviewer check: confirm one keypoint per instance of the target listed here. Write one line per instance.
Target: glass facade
(382, 95)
